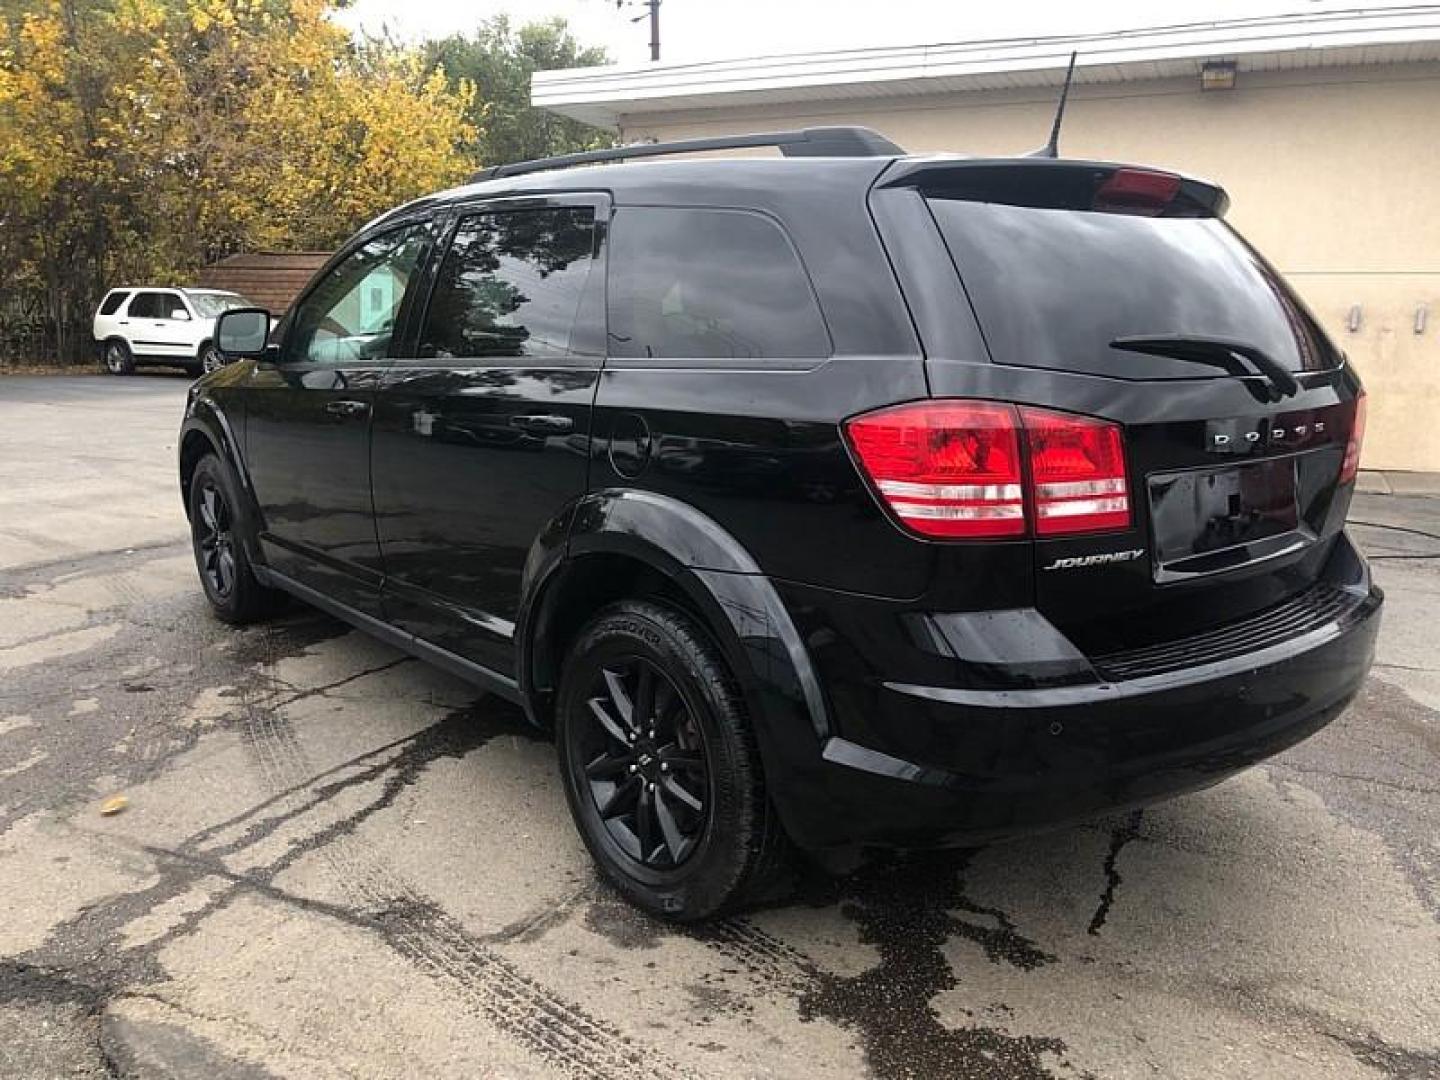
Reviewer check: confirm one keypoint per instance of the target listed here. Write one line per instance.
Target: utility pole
(654, 17)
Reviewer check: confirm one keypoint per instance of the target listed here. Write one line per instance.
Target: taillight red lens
(945, 468)
(1350, 466)
(1077, 464)
(1137, 191)
(952, 469)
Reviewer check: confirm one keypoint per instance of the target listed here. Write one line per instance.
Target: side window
(146, 305)
(112, 303)
(349, 316)
(697, 283)
(511, 285)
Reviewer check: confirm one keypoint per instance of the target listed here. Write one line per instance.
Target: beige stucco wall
(1334, 174)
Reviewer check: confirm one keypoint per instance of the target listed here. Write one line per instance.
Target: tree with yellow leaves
(142, 139)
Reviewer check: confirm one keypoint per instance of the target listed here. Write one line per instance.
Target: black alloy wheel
(661, 766)
(221, 556)
(645, 763)
(215, 541)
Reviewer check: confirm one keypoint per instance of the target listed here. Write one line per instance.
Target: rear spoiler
(1060, 183)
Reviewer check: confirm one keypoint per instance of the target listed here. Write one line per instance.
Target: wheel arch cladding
(207, 430)
(194, 445)
(622, 544)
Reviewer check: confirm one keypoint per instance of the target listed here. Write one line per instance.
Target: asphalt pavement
(335, 861)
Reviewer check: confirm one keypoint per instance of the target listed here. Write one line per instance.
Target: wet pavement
(336, 861)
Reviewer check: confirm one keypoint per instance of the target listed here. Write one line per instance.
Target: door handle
(347, 408)
(543, 425)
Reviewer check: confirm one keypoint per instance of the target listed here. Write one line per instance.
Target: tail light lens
(946, 468)
(1077, 464)
(953, 469)
(1350, 466)
(1137, 191)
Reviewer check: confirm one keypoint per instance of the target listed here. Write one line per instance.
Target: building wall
(1333, 173)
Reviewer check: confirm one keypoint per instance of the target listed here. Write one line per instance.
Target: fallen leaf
(114, 805)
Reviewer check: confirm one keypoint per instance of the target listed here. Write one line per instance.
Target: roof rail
(810, 142)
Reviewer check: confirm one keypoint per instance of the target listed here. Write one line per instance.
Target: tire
(623, 781)
(216, 537)
(117, 358)
(207, 360)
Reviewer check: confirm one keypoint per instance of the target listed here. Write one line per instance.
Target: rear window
(111, 303)
(701, 283)
(1053, 288)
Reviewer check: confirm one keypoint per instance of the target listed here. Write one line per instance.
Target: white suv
(161, 326)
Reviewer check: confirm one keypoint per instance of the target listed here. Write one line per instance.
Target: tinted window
(146, 305)
(708, 283)
(511, 285)
(170, 303)
(349, 316)
(1053, 287)
(112, 303)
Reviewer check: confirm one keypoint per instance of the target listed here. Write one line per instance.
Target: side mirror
(242, 333)
(179, 314)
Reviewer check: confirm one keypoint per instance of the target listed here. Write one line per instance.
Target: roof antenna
(1052, 148)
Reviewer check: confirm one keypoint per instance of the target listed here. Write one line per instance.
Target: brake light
(1077, 464)
(1350, 466)
(1137, 191)
(953, 469)
(945, 468)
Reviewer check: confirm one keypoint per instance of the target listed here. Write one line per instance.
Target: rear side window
(111, 303)
(156, 305)
(511, 285)
(146, 305)
(692, 283)
(1054, 287)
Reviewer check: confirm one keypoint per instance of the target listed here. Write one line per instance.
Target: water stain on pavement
(909, 909)
(1126, 831)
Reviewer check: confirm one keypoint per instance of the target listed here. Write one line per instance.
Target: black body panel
(307, 444)
(450, 447)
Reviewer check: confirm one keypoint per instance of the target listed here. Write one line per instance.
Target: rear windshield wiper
(1218, 352)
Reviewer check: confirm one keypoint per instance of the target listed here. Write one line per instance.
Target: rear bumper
(930, 765)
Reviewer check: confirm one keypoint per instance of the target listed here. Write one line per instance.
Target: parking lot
(336, 861)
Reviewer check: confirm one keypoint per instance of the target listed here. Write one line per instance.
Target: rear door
(482, 431)
(1122, 294)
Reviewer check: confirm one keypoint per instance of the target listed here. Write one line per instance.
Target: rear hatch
(1121, 293)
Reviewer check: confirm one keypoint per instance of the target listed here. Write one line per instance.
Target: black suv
(843, 498)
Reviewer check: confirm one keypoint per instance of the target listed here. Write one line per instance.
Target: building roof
(271, 279)
(601, 95)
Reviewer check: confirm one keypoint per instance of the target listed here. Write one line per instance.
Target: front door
(482, 436)
(307, 419)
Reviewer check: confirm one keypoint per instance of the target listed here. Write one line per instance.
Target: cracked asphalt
(336, 861)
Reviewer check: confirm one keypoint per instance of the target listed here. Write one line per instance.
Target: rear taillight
(945, 468)
(1350, 466)
(1077, 466)
(952, 469)
(1137, 191)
